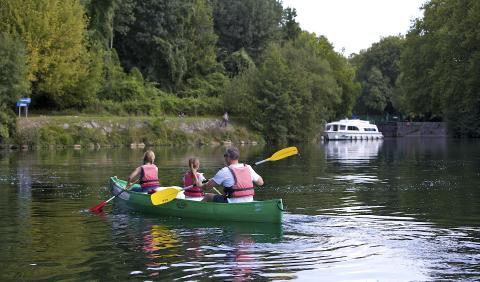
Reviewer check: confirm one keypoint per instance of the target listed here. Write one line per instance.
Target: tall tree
(290, 27)
(343, 72)
(13, 81)
(107, 17)
(13, 70)
(378, 69)
(248, 24)
(54, 33)
(441, 64)
(308, 86)
(169, 41)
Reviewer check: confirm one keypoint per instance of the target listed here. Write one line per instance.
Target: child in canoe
(191, 181)
(147, 174)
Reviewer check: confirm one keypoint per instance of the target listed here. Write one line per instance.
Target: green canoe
(256, 211)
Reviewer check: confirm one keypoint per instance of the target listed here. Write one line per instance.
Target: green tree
(100, 24)
(375, 92)
(248, 24)
(343, 72)
(171, 42)
(290, 28)
(13, 81)
(378, 69)
(54, 33)
(292, 102)
(13, 70)
(441, 63)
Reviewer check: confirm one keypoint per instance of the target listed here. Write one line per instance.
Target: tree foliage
(171, 42)
(248, 57)
(378, 69)
(247, 24)
(13, 81)
(54, 33)
(306, 88)
(441, 65)
(13, 70)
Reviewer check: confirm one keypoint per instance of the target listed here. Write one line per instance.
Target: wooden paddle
(98, 208)
(168, 194)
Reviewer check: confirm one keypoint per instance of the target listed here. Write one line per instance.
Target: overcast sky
(355, 24)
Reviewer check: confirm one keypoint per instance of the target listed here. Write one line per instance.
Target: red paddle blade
(98, 208)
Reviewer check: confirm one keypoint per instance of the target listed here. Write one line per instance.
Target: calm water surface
(399, 209)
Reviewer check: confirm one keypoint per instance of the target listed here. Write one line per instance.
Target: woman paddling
(146, 173)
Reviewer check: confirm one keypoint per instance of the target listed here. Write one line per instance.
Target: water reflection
(352, 152)
(350, 156)
(401, 209)
(190, 249)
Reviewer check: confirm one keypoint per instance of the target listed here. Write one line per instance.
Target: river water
(398, 209)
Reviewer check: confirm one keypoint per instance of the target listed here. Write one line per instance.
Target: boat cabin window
(369, 129)
(342, 127)
(328, 128)
(353, 128)
(335, 127)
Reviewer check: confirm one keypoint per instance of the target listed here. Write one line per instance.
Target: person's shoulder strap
(233, 174)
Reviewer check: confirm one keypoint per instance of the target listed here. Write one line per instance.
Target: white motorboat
(351, 129)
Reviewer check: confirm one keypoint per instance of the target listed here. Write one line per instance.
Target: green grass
(88, 130)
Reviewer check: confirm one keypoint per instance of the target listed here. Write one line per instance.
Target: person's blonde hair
(192, 161)
(148, 157)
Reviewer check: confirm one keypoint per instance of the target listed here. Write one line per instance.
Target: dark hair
(232, 153)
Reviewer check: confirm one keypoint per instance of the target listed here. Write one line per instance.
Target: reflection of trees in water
(159, 238)
(192, 248)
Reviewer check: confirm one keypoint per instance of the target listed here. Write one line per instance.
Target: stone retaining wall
(403, 129)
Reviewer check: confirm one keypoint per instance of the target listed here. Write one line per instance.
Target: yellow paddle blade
(283, 153)
(164, 196)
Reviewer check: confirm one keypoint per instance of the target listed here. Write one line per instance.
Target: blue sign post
(23, 102)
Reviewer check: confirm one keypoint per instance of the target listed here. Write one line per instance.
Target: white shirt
(225, 178)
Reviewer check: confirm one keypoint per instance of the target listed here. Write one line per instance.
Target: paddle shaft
(261, 162)
(99, 207)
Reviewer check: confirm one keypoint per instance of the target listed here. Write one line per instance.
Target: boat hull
(257, 211)
(351, 136)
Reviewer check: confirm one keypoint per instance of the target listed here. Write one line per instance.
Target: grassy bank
(101, 131)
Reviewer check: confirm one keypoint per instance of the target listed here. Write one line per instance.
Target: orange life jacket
(243, 182)
(149, 176)
(189, 180)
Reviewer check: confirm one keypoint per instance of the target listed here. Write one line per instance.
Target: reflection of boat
(353, 151)
(256, 211)
(258, 232)
(351, 129)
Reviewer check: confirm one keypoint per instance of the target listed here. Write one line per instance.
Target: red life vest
(149, 176)
(243, 186)
(189, 180)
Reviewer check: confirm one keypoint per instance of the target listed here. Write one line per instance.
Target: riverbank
(133, 131)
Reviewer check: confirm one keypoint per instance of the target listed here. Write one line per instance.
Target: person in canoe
(147, 174)
(190, 179)
(238, 180)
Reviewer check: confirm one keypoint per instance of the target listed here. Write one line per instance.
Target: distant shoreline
(126, 131)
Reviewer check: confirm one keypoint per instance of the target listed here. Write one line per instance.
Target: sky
(355, 24)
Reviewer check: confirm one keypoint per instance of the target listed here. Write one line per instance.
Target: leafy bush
(54, 135)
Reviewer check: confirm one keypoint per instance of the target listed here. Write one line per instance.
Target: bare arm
(259, 181)
(134, 175)
(210, 184)
(195, 178)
